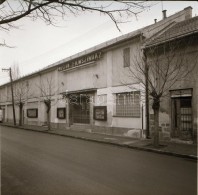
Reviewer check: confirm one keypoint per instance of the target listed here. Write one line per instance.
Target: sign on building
(82, 61)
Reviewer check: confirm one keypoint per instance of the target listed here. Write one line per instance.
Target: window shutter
(126, 57)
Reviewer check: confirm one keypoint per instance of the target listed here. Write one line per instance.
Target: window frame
(128, 110)
(126, 57)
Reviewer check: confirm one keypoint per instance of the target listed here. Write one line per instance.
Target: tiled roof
(180, 29)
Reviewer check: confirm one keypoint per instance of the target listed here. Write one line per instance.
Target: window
(126, 57)
(128, 104)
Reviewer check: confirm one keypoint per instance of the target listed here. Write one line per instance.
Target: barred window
(128, 104)
(126, 57)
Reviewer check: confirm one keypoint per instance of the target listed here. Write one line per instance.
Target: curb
(192, 157)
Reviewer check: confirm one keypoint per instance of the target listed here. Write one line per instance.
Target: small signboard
(100, 113)
(32, 113)
(61, 113)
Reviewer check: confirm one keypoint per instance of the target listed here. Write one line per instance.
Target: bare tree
(48, 91)
(21, 93)
(50, 10)
(21, 90)
(159, 67)
(15, 71)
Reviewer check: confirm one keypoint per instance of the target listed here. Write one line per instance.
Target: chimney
(155, 20)
(164, 14)
(188, 12)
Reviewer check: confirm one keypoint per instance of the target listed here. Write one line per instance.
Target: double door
(80, 109)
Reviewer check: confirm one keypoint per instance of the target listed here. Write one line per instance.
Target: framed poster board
(32, 113)
(100, 113)
(61, 113)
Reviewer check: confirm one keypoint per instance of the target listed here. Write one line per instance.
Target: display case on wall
(61, 113)
(100, 113)
(32, 113)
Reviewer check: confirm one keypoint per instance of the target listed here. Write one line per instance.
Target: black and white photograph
(98, 97)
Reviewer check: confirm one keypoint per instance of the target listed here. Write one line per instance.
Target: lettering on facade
(81, 61)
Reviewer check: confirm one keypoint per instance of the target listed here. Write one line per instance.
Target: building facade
(92, 89)
(177, 52)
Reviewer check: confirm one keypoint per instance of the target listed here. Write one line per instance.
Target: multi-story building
(92, 89)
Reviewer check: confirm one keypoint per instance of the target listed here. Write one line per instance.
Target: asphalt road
(42, 164)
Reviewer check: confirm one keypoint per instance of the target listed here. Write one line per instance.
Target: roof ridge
(158, 34)
(179, 29)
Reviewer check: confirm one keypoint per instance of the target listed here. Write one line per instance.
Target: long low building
(93, 89)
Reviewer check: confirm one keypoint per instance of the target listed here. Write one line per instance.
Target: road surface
(34, 163)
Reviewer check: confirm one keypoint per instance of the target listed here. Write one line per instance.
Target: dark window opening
(126, 57)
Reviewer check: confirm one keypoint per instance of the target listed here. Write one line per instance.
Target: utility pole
(12, 92)
(147, 95)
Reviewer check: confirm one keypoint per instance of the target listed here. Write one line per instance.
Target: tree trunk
(20, 114)
(48, 120)
(48, 116)
(156, 106)
(48, 105)
(156, 128)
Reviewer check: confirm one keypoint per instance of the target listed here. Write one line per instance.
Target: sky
(37, 45)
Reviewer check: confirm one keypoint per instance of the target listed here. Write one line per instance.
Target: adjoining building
(92, 89)
(177, 51)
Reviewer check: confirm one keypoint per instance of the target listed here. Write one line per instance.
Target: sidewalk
(167, 148)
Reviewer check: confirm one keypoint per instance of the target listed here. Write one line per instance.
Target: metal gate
(80, 109)
(182, 117)
(186, 117)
